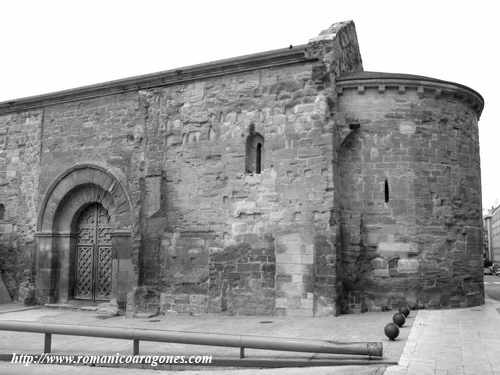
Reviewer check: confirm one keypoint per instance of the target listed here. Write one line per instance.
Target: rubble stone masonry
(287, 182)
(411, 193)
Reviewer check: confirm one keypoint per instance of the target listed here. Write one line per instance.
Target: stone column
(63, 267)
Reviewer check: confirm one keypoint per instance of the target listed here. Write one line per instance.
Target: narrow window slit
(386, 191)
(258, 158)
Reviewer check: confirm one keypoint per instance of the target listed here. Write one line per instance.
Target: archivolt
(81, 184)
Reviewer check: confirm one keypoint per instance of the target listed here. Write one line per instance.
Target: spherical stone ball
(391, 330)
(399, 319)
(404, 310)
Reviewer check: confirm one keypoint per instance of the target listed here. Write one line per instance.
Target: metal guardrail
(371, 349)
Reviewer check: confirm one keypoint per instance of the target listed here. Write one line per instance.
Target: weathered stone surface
(4, 293)
(260, 185)
(145, 315)
(27, 293)
(142, 300)
(107, 309)
(411, 198)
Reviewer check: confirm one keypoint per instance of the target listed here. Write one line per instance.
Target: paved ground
(459, 341)
(440, 342)
(15, 307)
(361, 327)
(8, 369)
(456, 341)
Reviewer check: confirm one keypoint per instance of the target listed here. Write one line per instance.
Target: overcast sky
(54, 45)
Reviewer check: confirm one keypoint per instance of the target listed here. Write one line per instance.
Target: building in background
(492, 229)
(288, 182)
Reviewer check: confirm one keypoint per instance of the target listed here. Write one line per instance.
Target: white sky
(53, 45)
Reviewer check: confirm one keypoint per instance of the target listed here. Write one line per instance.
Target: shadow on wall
(14, 274)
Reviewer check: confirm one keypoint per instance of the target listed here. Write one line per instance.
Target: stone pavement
(360, 327)
(459, 341)
(15, 307)
(439, 342)
(8, 369)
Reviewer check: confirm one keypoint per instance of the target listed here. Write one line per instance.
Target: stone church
(288, 182)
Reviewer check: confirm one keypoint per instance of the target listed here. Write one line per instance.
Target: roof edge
(368, 78)
(268, 59)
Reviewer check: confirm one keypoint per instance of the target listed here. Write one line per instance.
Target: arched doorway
(85, 245)
(93, 254)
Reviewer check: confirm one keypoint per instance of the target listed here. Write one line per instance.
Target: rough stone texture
(193, 231)
(423, 246)
(242, 277)
(4, 293)
(107, 309)
(27, 293)
(197, 134)
(20, 135)
(142, 300)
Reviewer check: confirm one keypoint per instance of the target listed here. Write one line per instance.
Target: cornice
(402, 82)
(263, 60)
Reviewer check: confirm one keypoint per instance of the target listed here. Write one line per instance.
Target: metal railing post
(135, 350)
(242, 352)
(47, 343)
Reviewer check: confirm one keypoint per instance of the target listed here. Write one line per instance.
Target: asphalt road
(492, 286)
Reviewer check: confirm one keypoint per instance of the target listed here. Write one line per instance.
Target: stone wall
(351, 209)
(411, 207)
(242, 278)
(19, 173)
(178, 149)
(197, 135)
